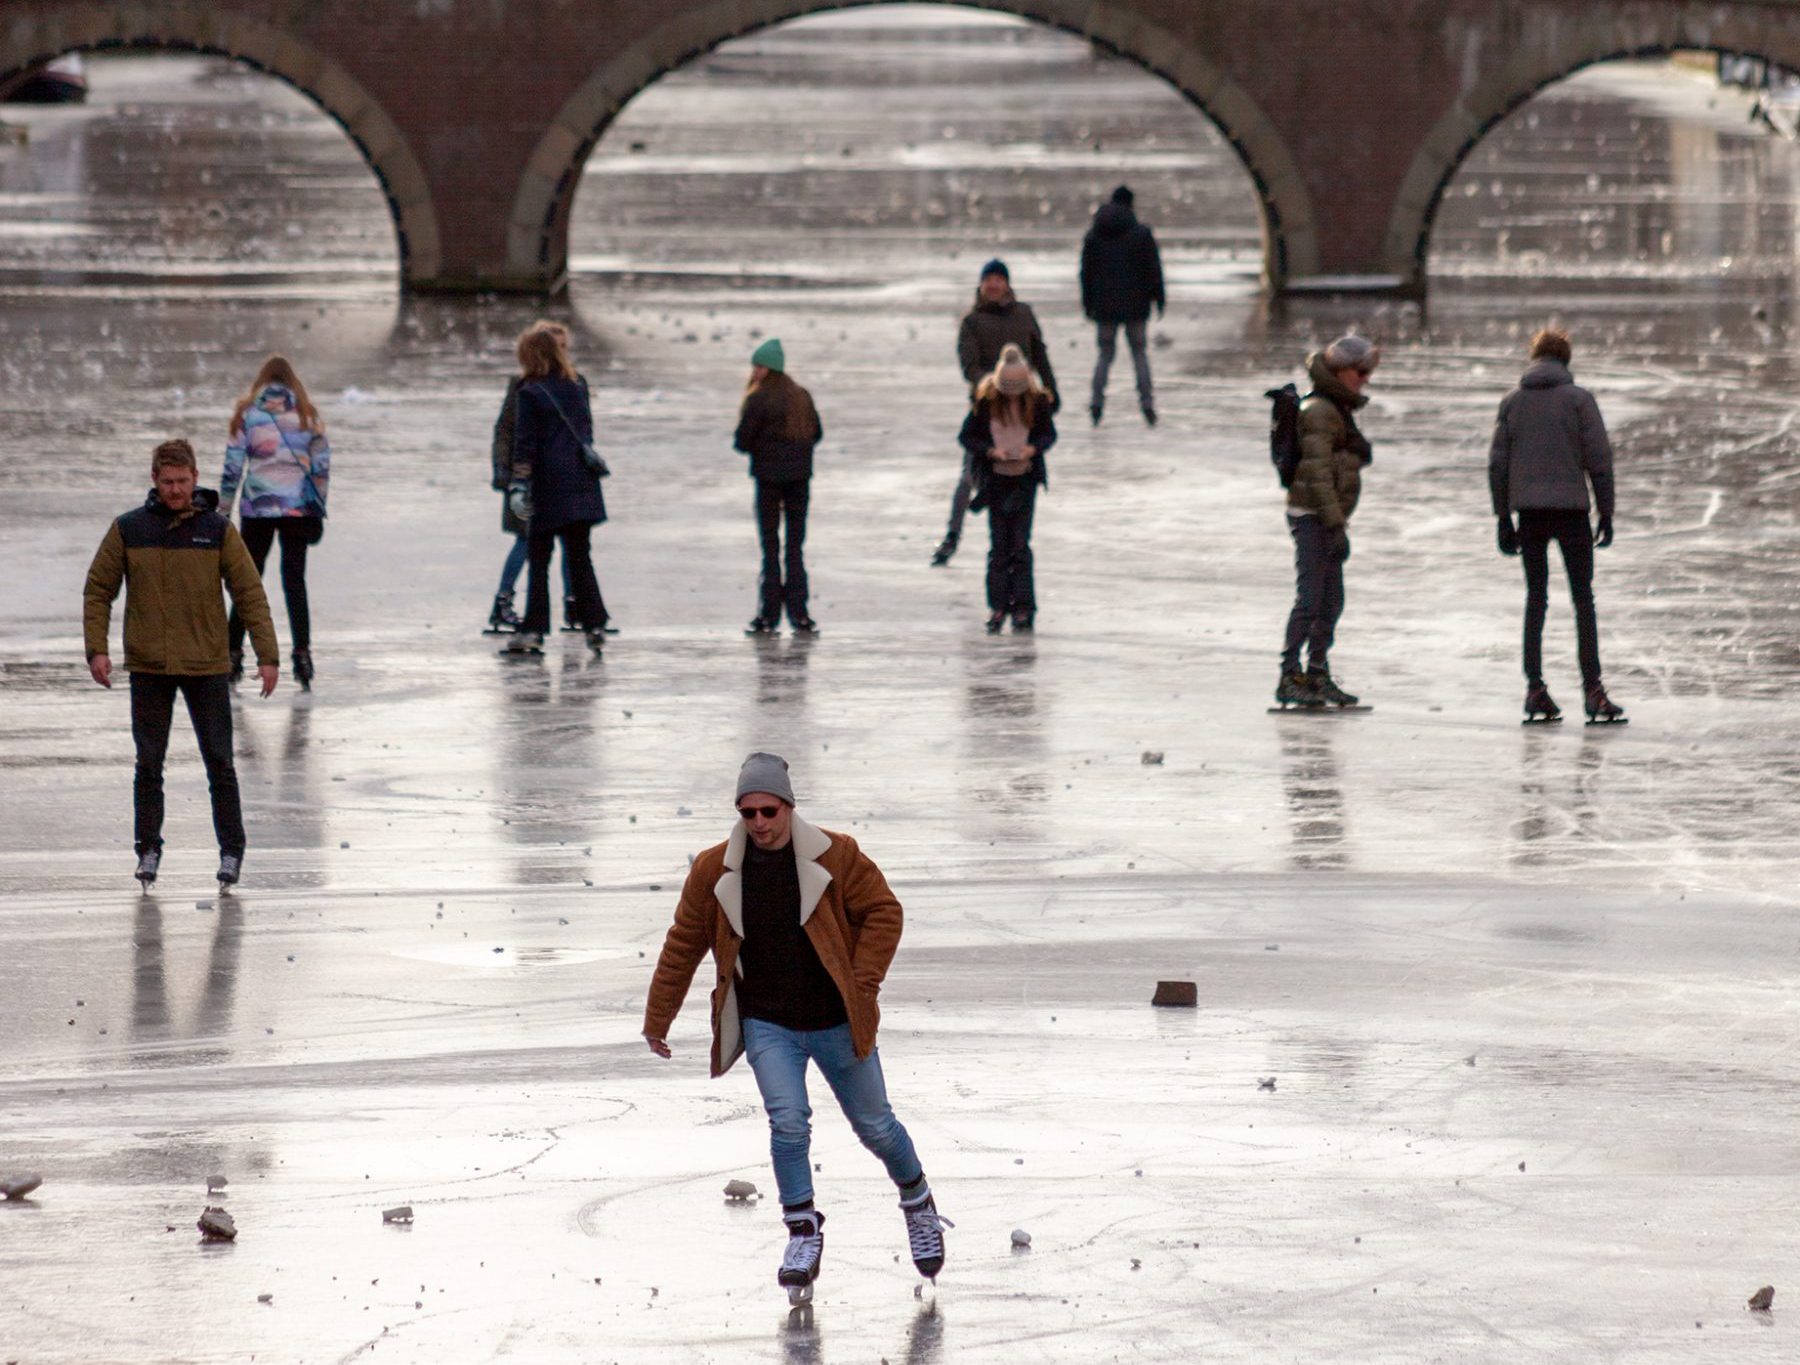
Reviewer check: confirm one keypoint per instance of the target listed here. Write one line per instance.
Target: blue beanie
(996, 267)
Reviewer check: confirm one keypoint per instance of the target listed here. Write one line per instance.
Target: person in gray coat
(1549, 446)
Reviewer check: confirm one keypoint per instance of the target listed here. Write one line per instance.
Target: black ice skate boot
(303, 668)
(1328, 692)
(925, 1234)
(760, 625)
(148, 863)
(571, 621)
(996, 622)
(805, 1250)
(1295, 689)
(502, 620)
(231, 867)
(1539, 708)
(1601, 709)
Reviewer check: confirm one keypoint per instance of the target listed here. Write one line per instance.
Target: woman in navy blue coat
(551, 475)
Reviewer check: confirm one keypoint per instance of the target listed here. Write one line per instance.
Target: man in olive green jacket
(172, 554)
(1324, 492)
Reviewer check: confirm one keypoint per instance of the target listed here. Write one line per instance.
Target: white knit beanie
(1012, 376)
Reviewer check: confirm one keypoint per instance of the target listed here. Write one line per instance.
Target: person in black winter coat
(1549, 445)
(778, 426)
(503, 618)
(1121, 277)
(998, 319)
(553, 487)
(1006, 433)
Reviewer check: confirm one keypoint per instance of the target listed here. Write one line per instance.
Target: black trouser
(1011, 499)
(1570, 530)
(296, 533)
(1318, 595)
(773, 497)
(590, 611)
(209, 707)
(959, 500)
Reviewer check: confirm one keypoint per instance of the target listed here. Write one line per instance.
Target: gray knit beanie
(1352, 353)
(1012, 375)
(765, 773)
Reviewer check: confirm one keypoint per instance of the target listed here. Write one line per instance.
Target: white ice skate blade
(1542, 720)
(1604, 724)
(799, 1295)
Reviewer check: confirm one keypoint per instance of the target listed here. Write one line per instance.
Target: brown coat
(846, 908)
(1328, 481)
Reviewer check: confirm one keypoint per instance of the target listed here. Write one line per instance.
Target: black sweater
(784, 981)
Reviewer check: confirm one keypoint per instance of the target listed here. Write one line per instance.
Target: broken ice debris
(1150, 757)
(1184, 994)
(216, 1225)
(18, 1186)
(739, 1191)
(1265, 1082)
(265, 1298)
(1763, 1299)
(215, 1183)
(400, 1214)
(1021, 1238)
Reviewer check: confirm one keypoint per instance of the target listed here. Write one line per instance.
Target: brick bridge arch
(1551, 52)
(43, 32)
(537, 236)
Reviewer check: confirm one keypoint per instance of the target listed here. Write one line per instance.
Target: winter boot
(148, 862)
(502, 619)
(925, 1234)
(1328, 692)
(805, 1250)
(1538, 704)
(1096, 411)
(941, 555)
(231, 866)
(1600, 707)
(1295, 689)
(303, 668)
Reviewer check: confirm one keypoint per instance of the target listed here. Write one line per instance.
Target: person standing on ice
(171, 555)
(801, 926)
(1006, 433)
(1121, 277)
(276, 452)
(503, 618)
(996, 321)
(1549, 445)
(778, 426)
(1323, 495)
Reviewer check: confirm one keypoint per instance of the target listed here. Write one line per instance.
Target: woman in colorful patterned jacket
(279, 459)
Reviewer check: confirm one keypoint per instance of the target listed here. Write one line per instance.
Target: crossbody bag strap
(305, 469)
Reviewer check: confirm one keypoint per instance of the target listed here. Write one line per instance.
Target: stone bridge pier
(477, 116)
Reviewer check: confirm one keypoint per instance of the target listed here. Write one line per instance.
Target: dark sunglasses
(751, 812)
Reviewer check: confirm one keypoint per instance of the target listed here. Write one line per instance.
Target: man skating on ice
(801, 926)
(171, 555)
(1549, 445)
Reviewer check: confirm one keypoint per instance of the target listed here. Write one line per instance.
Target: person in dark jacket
(1549, 445)
(552, 486)
(1006, 433)
(503, 618)
(997, 320)
(1321, 499)
(1121, 277)
(171, 555)
(778, 426)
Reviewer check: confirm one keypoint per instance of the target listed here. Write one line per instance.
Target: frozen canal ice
(1527, 995)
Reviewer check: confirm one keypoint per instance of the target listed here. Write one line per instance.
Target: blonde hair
(277, 369)
(543, 352)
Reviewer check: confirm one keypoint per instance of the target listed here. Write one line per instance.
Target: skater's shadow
(781, 671)
(152, 1024)
(925, 1336)
(1315, 794)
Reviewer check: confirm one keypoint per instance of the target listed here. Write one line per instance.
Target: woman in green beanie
(778, 426)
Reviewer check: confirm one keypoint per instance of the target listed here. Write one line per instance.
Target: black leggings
(1570, 530)
(296, 534)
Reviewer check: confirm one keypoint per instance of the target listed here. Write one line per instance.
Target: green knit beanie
(769, 356)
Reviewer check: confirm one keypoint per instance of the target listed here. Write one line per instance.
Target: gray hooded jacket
(1549, 444)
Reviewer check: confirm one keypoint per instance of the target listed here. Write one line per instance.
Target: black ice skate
(570, 621)
(523, 643)
(1600, 708)
(925, 1234)
(502, 620)
(1326, 690)
(230, 867)
(805, 1250)
(1295, 689)
(303, 668)
(148, 862)
(1539, 708)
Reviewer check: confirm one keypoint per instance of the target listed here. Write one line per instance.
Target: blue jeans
(778, 1056)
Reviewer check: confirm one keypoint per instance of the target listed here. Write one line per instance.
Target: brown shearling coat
(846, 908)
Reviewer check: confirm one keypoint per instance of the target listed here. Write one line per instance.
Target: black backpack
(1284, 432)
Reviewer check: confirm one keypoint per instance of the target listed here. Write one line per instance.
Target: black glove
(1338, 546)
(1509, 538)
(1603, 536)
